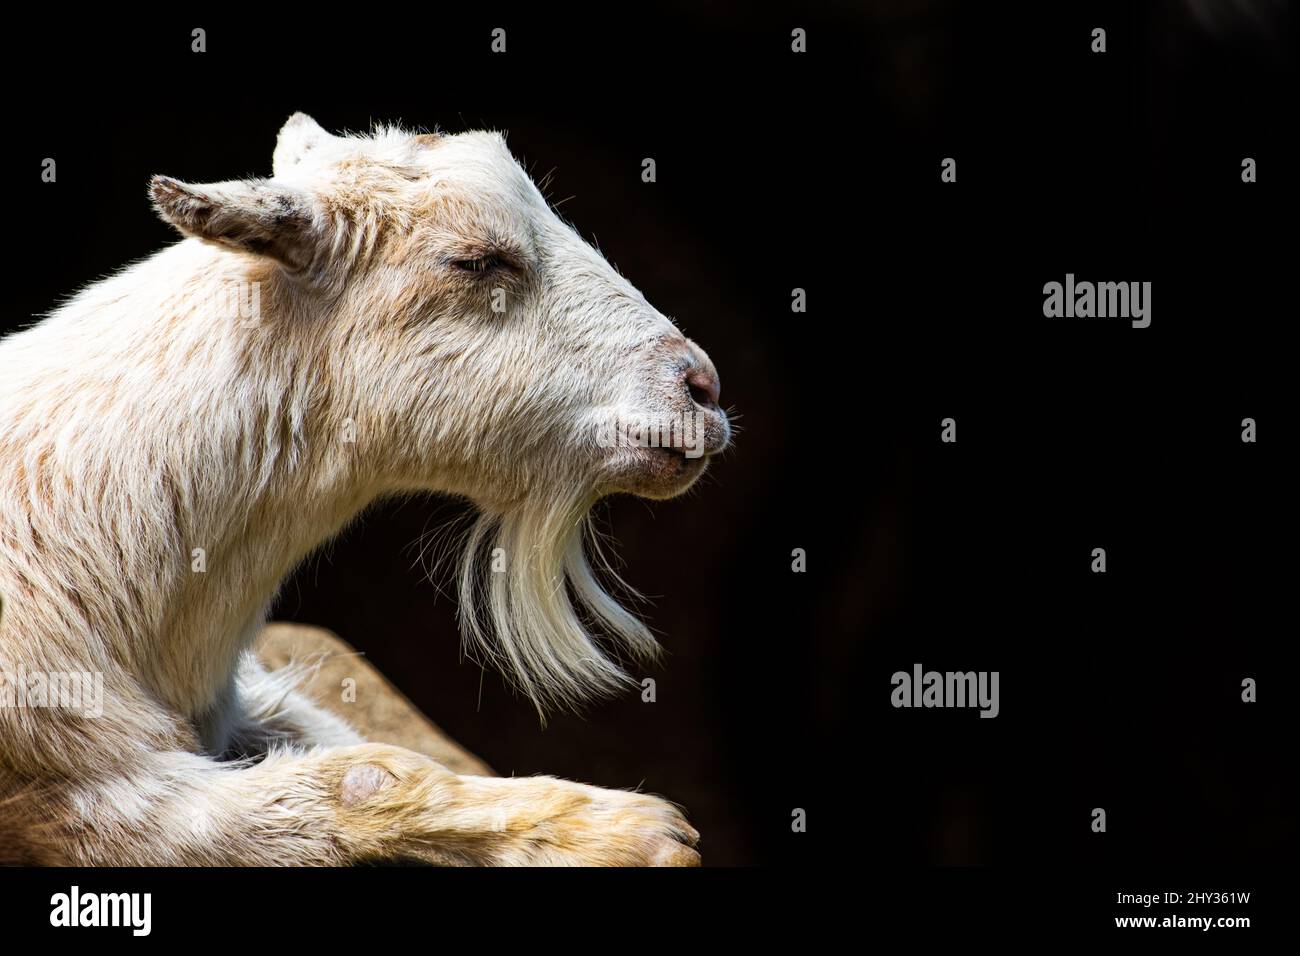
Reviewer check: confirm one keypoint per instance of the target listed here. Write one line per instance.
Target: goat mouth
(687, 456)
(670, 464)
(659, 471)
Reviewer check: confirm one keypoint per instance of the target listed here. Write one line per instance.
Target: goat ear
(299, 138)
(257, 216)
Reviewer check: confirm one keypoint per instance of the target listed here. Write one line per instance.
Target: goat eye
(480, 264)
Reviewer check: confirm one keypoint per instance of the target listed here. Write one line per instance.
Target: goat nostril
(703, 387)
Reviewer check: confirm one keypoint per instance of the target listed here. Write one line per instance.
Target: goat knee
(362, 782)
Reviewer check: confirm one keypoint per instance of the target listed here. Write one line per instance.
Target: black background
(821, 171)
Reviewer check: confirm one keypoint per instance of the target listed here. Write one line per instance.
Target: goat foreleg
(349, 805)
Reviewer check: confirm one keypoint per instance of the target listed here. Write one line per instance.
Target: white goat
(417, 319)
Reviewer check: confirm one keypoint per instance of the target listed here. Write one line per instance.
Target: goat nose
(703, 386)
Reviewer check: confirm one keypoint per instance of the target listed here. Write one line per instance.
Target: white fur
(136, 425)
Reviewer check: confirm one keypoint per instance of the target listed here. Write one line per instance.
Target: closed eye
(488, 262)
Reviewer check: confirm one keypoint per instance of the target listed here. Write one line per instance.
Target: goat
(415, 318)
